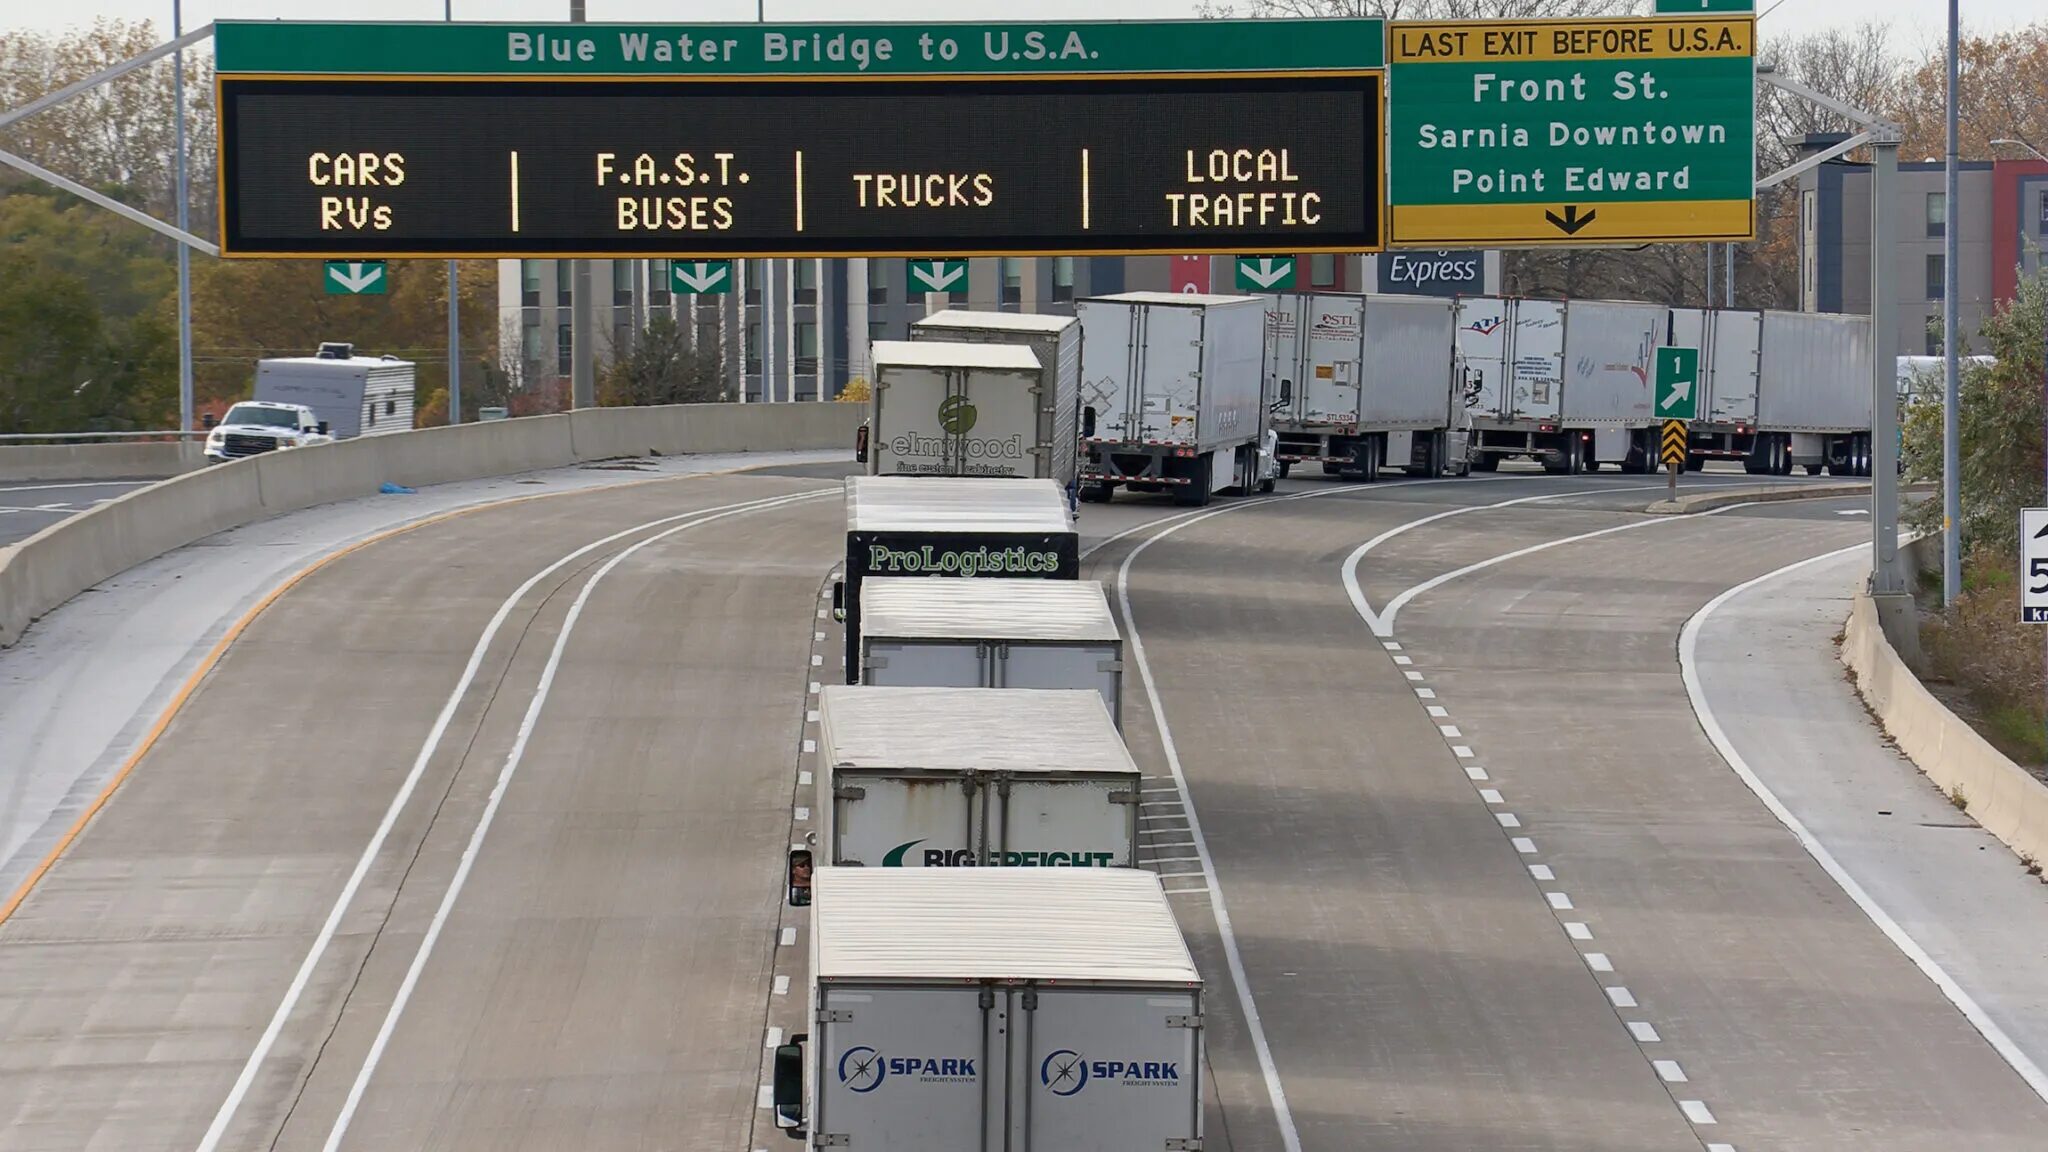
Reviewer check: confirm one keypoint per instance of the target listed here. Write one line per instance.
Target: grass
(2018, 728)
(1990, 667)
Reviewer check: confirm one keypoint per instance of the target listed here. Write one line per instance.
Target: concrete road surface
(474, 841)
(29, 507)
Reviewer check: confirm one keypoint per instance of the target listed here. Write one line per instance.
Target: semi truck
(1173, 396)
(1364, 381)
(991, 634)
(1509, 359)
(994, 1010)
(943, 408)
(965, 777)
(1780, 390)
(1043, 417)
(950, 526)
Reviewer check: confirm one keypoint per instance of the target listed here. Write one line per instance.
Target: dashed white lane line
(1542, 872)
(803, 778)
(816, 687)
(1525, 846)
(1599, 962)
(811, 716)
(1669, 1071)
(1413, 675)
(1403, 660)
(1426, 693)
(1475, 772)
(802, 814)
(1450, 731)
(1644, 1032)
(1508, 819)
(782, 985)
(1720, 1148)
(1697, 1112)
(817, 660)
(765, 1098)
(1390, 646)
(810, 746)
(1436, 710)
(1491, 796)
(789, 937)
(1621, 997)
(1577, 930)
(1559, 901)
(817, 635)
(774, 1037)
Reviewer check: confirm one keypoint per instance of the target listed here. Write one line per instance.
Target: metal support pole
(454, 305)
(1710, 274)
(582, 346)
(184, 193)
(1728, 275)
(1885, 578)
(1951, 453)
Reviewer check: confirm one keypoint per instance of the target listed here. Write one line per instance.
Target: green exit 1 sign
(1678, 384)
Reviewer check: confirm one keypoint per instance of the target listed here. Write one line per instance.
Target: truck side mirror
(839, 600)
(1088, 421)
(322, 427)
(209, 421)
(1286, 392)
(860, 444)
(788, 1090)
(799, 877)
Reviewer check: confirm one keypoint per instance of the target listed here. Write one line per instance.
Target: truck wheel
(1486, 462)
(1097, 493)
(1814, 469)
(1695, 463)
(1195, 493)
(1266, 486)
(1286, 466)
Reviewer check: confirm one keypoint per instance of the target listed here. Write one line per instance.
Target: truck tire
(1286, 466)
(1814, 469)
(1195, 493)
(1486, 462)
(1097, 493)
(1432, 458)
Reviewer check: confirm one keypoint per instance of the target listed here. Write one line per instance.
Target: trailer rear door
(902, 1068)
(1109, 1070)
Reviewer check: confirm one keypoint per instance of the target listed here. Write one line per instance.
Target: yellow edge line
(220, 647)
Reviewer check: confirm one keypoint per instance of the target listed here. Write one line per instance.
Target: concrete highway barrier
(144, 460)
(66, 558)
(1763, 494)
(2005, 799)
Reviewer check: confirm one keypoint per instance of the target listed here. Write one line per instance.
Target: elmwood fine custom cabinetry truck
(950, 526)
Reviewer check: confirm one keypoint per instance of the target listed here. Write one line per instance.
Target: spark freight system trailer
(958, 777)
(1044, 418)
(991, 634)
(1364, 381)
(994, 1010)
(1172, 396)
(950, 526)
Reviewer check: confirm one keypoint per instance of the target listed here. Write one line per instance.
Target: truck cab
(254, 427)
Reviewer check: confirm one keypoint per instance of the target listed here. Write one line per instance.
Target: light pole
(1951, 452)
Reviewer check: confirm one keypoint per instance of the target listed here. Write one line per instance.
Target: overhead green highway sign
(712, 49)
(1574, 132)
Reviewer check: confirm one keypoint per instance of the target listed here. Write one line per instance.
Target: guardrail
(132, 460)
(66, 558)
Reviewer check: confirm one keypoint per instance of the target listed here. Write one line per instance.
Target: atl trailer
(1364, 381)
(991, 634)
(1509, 360)
(951, 526)
(994, 1010)
(1172, 395)
(1055, 397)
(962, 777)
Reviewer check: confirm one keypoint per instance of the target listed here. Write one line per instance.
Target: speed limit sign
(2034, 565)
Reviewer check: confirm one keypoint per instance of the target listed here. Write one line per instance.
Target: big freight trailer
(1054, 435)
(1173, 396)
(1361, 381)
(959, 777)
(950, 526)
(994, 1010)
(991, 634)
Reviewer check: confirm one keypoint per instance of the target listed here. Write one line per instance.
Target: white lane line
(1621, 997)
(816, 687)
(1403, 660)
(816, 660)
(1697, 1111)
(79, 484)
(817, 636)
(788, 938)
(782, 985)
(1577, 930)
(1720, 1148)
(802, 814)
(1525, 846)
(1669, 1071)
(1463, 752)
(1644, 1032)
(1491, 796)
(1175, 860)
(513, 758)
(821, 613)
(1560, 901)
(1542, 872)
(1413, 675)
(765, 1098)
(240, 1090)
(1475, 772)
(1450, 731)
(1599, 962)
(1383, 625)
(1688, 667)
(1508, 819)
(774, 1038)
(803, 778)
(1436, 710)
(811, 716)
(1425, 693)
(810, 745)
(1391, 646)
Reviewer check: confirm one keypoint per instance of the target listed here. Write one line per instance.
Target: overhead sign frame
(1519, 210)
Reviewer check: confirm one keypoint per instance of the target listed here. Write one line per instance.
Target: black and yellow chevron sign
(1674, 443)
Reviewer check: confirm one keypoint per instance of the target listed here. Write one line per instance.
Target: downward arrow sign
(1571, 221)
(701, 276)
(357, 276)
(1265, 275)
(937, 277)
(1679, 392)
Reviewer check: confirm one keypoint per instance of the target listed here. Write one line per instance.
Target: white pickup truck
(254, 427)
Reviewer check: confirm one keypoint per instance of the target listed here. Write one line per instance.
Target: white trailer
(950, 526)
(942, 408)
(960, 777)
(1509, 358)
(1609, 397)
(991, 634)
(1361, 381)
(1056, 341)
(1782, 390)
(994, 1010)
(353, 395)
(1172, 395)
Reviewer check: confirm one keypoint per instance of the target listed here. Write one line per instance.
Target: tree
(660, 366)
(1999, 97)
(857, 391)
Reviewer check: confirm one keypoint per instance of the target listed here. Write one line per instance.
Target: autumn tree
(2003, 94)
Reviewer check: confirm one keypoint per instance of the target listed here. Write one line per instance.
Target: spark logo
(1066, 1072)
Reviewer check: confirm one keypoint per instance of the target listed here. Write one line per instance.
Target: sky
(1916, 24)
